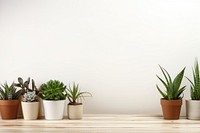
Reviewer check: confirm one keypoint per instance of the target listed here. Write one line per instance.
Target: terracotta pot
(75, 112)
(9, 109)
(30, 110)
(171, 108)
(193, 109)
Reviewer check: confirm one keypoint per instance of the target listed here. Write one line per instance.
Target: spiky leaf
(173, 90)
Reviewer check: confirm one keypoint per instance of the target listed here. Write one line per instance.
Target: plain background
(112, 48)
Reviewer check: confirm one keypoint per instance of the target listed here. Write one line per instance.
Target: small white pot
(193, 109)
(30, 110)
(75, 112)
(54, 110)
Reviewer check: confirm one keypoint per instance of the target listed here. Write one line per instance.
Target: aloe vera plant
(195, 85)
(173, 89)
(74, 93)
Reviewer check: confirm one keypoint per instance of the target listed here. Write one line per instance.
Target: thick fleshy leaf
(165, 84)
(173, 90)
(162, 93)
(163, 71)
(20, 80)
(177, 81)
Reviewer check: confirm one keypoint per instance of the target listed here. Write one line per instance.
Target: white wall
(111, 47)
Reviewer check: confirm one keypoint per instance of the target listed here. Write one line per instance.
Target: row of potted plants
(171, 100)
(53, 95)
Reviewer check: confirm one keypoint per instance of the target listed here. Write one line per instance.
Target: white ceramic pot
(30, 110)
(54, 110)
(193, 109)
(75, 112)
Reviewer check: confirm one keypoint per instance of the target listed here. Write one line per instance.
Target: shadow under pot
(171, 108)
(30, 110)
(75, 111)
(193, 109)
(9, 109)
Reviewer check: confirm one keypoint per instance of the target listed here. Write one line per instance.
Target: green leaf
(162, 93)
(74, 93)
(173, 90)
(195, 85)
(20, 80)
(162, 69)
(8, 92)
(53, 90)
(165, 84)
(177, 81)
(179, 92)
(190, 81)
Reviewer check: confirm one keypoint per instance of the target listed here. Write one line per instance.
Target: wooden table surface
(102, 124)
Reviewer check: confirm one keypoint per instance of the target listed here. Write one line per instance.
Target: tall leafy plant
(195, 85)
(173, 90)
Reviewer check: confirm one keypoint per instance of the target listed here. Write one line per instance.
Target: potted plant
(193, 105)
(30, 104)
(9, 101)
(75, 108)
(172, 99)
(54, 96)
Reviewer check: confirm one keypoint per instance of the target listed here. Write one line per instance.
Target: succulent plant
(173, 89)
(30, 96)
(74, 94)
(53, 90)
(9, 92)
(25, 85)
(195, 85)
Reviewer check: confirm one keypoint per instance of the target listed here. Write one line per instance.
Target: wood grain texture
(102, 124)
